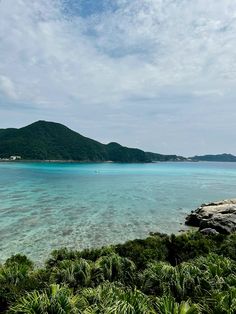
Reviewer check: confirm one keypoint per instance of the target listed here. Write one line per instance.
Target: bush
(190, 245)
(54, 300)
(142, 252)
(114, 268)
(184, 274)
(75, 273)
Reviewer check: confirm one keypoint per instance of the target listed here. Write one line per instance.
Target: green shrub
(224, 302)
(14, 281)
(94, 254)
(184, 274)
(114, 268)
(75, 273)
(167, 305)
(111, 298)
(228, 247)
(20, 260)
(54, 300)
(60, 255)
(142, 252)
(189, 245)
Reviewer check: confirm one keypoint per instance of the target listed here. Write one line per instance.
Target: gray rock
(220, 216)
(193, 220)
(208, 231)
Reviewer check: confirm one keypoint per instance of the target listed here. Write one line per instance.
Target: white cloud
(7, 87)
(147, 60)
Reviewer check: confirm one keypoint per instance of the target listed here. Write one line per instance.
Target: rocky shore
(214, 217)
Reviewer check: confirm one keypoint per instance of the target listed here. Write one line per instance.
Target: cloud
(211, 92)
(7, 87)
(144, 66)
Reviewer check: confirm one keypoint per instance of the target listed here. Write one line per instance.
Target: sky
(159, 75)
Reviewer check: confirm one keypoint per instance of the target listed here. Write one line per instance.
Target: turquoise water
(44, 206)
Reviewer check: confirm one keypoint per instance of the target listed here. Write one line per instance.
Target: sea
(47, 206)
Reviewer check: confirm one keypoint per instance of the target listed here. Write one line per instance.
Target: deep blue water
(44, 206)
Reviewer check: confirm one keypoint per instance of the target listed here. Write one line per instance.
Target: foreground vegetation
(184, 274)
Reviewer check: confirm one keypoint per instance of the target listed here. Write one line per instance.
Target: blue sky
(86, 8)
(154, 74)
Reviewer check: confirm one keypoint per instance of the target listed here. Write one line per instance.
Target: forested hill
(53, 141)
(219, 157)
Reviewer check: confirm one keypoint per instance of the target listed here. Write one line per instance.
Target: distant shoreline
(90, 161)
(108, 162)
(112, 162)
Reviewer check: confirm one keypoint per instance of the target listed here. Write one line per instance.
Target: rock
(220, 216)
(208, 231)
(193, 220)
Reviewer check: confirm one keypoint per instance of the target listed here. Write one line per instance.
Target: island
(45, 141)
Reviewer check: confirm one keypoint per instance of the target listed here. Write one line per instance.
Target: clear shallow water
(44, 206)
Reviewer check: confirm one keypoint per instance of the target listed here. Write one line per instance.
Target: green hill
(220, 157)
(159, 157)
(53, 141)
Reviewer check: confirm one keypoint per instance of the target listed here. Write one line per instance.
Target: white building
(15, 157)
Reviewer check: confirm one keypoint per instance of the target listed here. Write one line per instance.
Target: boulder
(208, 231)
(220, 216)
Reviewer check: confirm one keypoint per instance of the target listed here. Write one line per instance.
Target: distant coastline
(44, 141)
(85, 161)
(104, 161)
